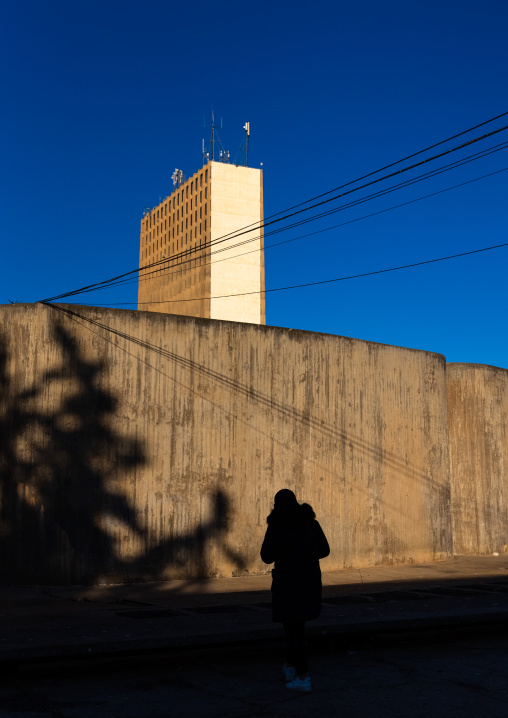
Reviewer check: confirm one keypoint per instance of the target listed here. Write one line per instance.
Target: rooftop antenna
(246, 127)
(213, 137)
(224, 155)
(177, 177)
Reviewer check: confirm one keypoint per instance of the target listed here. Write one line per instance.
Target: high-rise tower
(202, 267)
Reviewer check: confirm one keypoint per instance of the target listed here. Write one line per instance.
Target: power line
(315, 284)
(181, 260)
(308, 234)
(262, 225)
(232, 235)
(401, 185)
(392, 164)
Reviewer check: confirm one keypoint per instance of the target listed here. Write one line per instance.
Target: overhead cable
(167, 271)
(314, 284)
(292, 214)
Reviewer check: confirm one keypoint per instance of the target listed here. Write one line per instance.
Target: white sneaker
(300, 684)
(289, 672)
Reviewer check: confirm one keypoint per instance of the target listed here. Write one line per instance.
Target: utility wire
(386, 167)
(315, 284)
(401, 185)
(167, 271)
(179, 260)
(264, 224)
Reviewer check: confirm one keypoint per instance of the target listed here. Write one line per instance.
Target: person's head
(285, 508)
(285, 500)
(287, 511)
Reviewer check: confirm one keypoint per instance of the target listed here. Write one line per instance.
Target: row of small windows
(154, 246)
(191, 219)
(179, 198)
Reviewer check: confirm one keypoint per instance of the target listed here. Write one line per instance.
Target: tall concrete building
(203, 265)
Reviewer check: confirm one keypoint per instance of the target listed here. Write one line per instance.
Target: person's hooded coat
(295, 541)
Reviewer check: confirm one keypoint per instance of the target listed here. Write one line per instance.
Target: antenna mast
(246, 127)
(213, 137)
(224, 155)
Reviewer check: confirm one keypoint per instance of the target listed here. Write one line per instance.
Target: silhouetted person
(296, 542)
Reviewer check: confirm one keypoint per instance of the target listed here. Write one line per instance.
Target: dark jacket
(296, 542)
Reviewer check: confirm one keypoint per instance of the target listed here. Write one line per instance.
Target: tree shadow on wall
(193, 549)
(304, 420)
(57, 455)
(58, 458)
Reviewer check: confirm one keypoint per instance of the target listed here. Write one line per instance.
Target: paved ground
(458, 679)
(41, 624)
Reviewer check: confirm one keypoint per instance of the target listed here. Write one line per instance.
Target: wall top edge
(160, 317)
(467, 365)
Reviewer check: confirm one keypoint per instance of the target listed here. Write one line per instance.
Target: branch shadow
(391, 460)
(59, 456)
(347, 441)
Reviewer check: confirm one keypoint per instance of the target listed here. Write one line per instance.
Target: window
(201, 196)
(206, 176)
(201, 179)
(206, 192)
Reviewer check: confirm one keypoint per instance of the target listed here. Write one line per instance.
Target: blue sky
(101, 101)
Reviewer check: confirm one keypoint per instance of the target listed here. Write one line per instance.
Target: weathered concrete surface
(139, 445)
(478, 413)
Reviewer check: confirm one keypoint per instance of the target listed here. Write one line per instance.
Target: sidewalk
(61, 623)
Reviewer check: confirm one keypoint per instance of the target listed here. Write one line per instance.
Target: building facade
(207, 245)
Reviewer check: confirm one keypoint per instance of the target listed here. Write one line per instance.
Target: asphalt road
(451, 675)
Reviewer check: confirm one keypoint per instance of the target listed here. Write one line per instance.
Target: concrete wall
(137, 445)
(478, 425)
